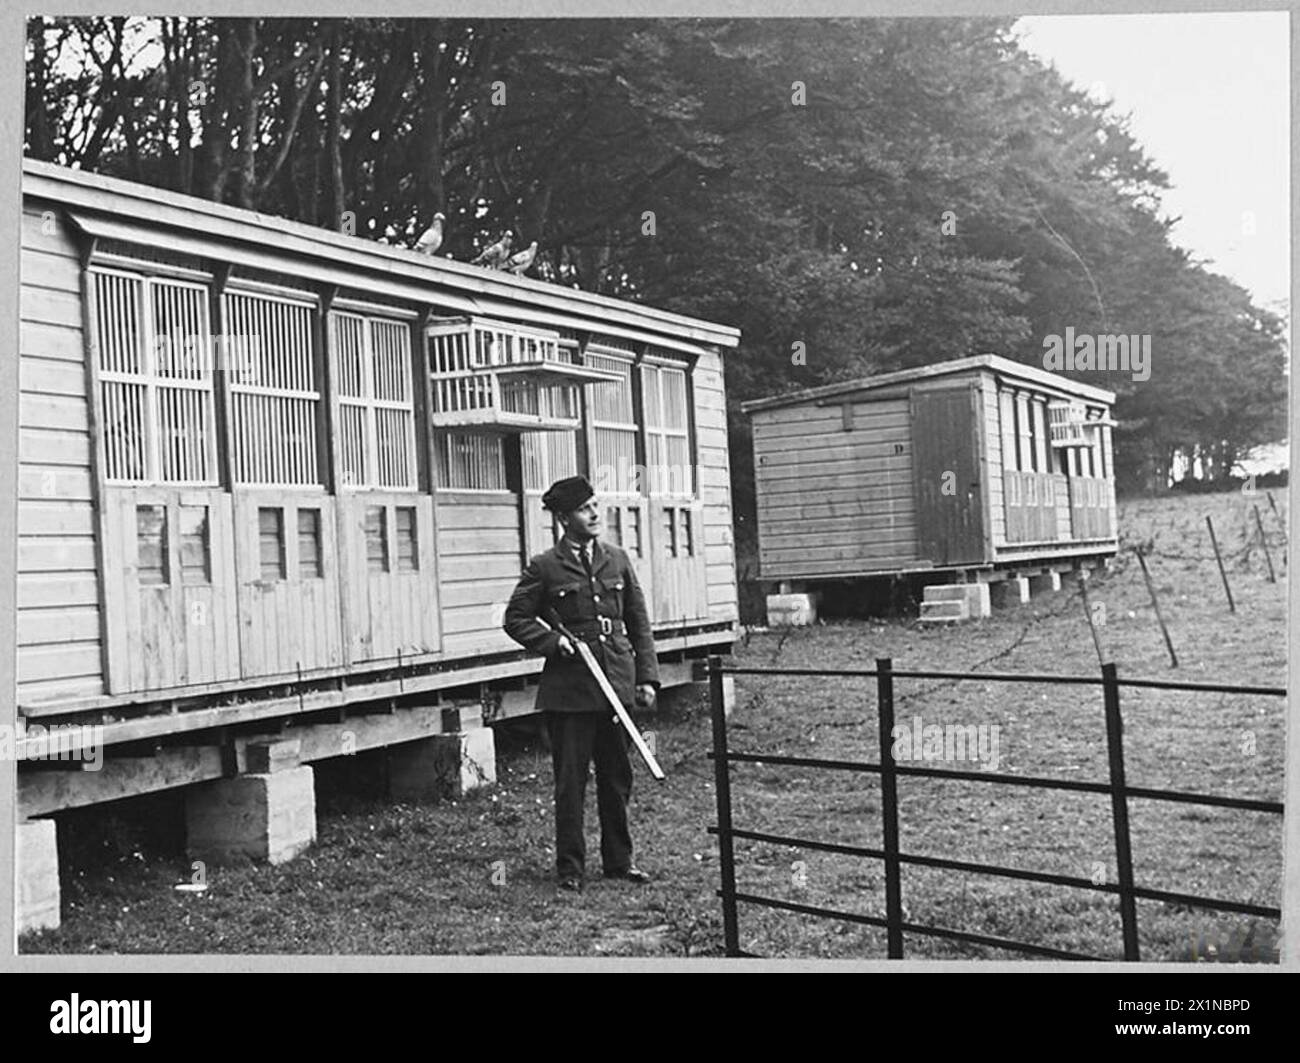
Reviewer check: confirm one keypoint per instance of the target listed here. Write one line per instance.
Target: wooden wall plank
(57, 342)
(476, 543)
(38, 446)
(52, 376)
(52, 412)
(73, 666)
(53, 270)
(60, 518)
(48, 307)
(58, 624)
(56, 555)
(40, 590)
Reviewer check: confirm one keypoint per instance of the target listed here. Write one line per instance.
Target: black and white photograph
(655, 490)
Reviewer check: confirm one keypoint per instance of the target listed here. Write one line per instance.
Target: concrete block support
(791, 610)
(269, 816)
(697, 694)
(1014, 590)
(975, 595)
(442, 766)
(37, 868)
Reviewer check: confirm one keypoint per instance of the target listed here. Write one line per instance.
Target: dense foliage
(887, 192)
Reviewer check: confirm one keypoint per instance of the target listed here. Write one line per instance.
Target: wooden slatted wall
(59, 629)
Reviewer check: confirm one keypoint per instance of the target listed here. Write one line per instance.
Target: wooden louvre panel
(151, 544)
(632, 535)
(376, 401)
(196, 563)
(270, 542)
(377, 539)
(408, 544)
(275, 396)
(156, 379)
(310, 562)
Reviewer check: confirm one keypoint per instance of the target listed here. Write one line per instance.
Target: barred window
(376, 400)
(547, 457)
(1040, 436)
(275, 396)
(668, 455)
(1024, 433)
(613, 422)
(471, 461)
(1007, 422)
(155, 369)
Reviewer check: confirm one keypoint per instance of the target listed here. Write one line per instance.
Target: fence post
(1223, 574)
(1259, 523)
(1155, 604)
(722, 787)
(1119, 810)
(889, 806)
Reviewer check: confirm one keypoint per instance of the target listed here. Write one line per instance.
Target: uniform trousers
(576, 739)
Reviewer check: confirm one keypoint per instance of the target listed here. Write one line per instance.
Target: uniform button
(595, 597)
(602, 638)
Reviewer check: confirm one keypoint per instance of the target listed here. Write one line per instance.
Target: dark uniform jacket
(607, 611)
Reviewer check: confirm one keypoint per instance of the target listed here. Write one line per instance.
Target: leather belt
(602, 625)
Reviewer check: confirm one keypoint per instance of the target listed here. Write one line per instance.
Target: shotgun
(602, 681)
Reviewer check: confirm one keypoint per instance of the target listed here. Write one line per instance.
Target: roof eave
(172, 210)
(992, 362)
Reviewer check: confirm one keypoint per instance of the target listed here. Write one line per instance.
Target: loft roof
(192, 225)
(1040, 378)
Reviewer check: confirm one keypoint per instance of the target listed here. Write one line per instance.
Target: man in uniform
(591, 588)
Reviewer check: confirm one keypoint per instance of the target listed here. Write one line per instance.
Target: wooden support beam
(40, 793)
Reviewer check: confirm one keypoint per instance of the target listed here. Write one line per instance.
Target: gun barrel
(602, 681)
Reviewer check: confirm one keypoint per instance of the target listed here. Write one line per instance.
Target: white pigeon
(494, 256)
(518, 264)
(431, 239)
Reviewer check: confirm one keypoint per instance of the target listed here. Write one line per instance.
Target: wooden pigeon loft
(1070, 425)
(509, 377)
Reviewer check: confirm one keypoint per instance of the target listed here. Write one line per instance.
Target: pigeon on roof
(519, 263)
(431, 239)
(495, 255)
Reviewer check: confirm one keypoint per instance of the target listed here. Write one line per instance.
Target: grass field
(474, 877)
